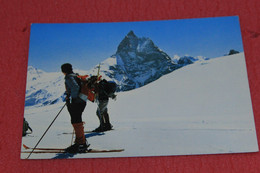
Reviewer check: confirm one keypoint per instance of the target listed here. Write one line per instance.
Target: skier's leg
(99, 115)
(100, 111)
(108, 125)
(105, 115)
(79, 131)
(76, 111)
(103, 106)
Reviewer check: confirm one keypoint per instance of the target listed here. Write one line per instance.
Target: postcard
(137, 89)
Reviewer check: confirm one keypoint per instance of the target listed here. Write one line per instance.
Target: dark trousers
(76, 110)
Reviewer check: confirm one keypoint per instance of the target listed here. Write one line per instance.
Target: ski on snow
(62, 150)
(67, 133)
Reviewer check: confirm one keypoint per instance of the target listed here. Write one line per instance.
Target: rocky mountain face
(139, 61)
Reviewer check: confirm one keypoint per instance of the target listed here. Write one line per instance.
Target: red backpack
(88, 85)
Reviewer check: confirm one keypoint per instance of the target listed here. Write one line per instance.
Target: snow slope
(43, 88)
(202, 108)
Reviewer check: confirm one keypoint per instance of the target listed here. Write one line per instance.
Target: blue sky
(85, 45)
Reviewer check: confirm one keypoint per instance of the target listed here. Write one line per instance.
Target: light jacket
(72, 87)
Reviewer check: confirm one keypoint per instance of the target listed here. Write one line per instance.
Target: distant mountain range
(137, 62)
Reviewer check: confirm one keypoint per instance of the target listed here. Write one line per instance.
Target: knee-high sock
(79, 131)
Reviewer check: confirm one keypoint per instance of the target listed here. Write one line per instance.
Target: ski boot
(101, 128)
(77, 148)
(108, 127)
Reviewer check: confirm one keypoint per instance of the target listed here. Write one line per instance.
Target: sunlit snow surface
(203, 108)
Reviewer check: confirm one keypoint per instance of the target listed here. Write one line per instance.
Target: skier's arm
(67, 95)
(73, 86)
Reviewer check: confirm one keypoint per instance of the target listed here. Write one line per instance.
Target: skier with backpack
(105, 90)
(95, 89)
(76, 106)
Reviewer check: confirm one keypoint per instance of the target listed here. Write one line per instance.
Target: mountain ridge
(137, 62)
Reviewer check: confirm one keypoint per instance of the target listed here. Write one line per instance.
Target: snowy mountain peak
(201, 58)
(33, 70)
(130, 42)
(140, 61)
(175, 58)
(34, 73)
(131, 34)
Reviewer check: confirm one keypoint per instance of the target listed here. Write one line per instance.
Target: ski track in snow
(203, 108)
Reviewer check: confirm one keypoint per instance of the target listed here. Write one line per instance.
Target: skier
(75, 107)
(104, 90)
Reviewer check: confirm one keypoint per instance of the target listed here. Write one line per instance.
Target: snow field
(203, 108)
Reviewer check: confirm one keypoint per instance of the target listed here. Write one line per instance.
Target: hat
(66, 68)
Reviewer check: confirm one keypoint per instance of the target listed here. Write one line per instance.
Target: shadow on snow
(70, 155)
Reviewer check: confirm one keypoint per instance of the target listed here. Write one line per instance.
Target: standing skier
(105, 90)
(75, 107)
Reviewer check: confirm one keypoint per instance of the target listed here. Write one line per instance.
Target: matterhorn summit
(139, 62)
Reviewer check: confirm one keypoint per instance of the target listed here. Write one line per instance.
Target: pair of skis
(62, 150)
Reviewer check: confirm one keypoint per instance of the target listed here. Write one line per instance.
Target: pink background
(15, 19)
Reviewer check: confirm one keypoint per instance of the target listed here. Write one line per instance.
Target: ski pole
(98, 70)
(46, 131)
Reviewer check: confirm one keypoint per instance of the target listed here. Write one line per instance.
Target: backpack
(88, 87)
(26, 127)
(108, 87)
